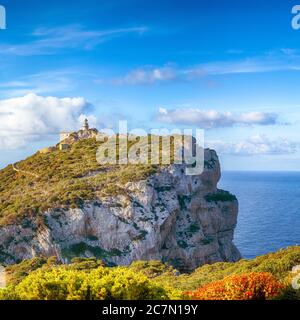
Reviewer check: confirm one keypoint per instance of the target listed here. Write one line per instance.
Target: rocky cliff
(180, 219)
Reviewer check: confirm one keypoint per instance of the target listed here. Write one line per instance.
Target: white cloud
(282, 60)
(32, 118)
(147, 76)
(49, 41)
(255, 145)
(151, 75)
(212, 119)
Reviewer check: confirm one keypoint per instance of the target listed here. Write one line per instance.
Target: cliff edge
(159, 214)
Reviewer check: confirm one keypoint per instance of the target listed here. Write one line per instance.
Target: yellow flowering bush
(56, 284)
(60, 283)
(124, 284)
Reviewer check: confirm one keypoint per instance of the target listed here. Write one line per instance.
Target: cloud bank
(208, 119)
(33, 118)
(255, 145)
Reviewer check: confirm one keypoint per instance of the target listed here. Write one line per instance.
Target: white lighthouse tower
(86, 126)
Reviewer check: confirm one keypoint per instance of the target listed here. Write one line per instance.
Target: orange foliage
(250, 286)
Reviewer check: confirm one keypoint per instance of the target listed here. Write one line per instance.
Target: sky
(229, 67)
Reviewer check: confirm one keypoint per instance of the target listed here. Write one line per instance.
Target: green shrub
(18, 272)
(65, 179)
(220, 196)
(60, 283)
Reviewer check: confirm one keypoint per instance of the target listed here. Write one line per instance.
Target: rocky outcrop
(81, 135)
(180, 219)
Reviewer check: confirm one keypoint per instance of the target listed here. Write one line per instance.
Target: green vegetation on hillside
(65, 178)
(220, 196)
(89, 279)
(68, 178)
(83, 279)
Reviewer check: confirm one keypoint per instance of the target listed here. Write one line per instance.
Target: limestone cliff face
(180, 219)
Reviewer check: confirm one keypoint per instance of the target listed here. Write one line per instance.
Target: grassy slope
(68, 178)
(62, 181)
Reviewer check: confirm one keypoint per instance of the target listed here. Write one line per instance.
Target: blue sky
(230, 67)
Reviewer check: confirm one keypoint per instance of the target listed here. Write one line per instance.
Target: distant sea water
(269, 210)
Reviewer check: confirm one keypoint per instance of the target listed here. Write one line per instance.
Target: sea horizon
(269, 205)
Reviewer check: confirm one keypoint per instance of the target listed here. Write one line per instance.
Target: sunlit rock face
(180, 219)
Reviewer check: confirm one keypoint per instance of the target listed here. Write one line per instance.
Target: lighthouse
(85, 126)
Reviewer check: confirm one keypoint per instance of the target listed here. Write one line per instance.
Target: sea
(269, 210)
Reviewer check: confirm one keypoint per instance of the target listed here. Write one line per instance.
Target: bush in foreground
(161, 277)
(60, 283)
(251, 286)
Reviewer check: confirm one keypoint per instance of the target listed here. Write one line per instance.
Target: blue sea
(269, 210)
